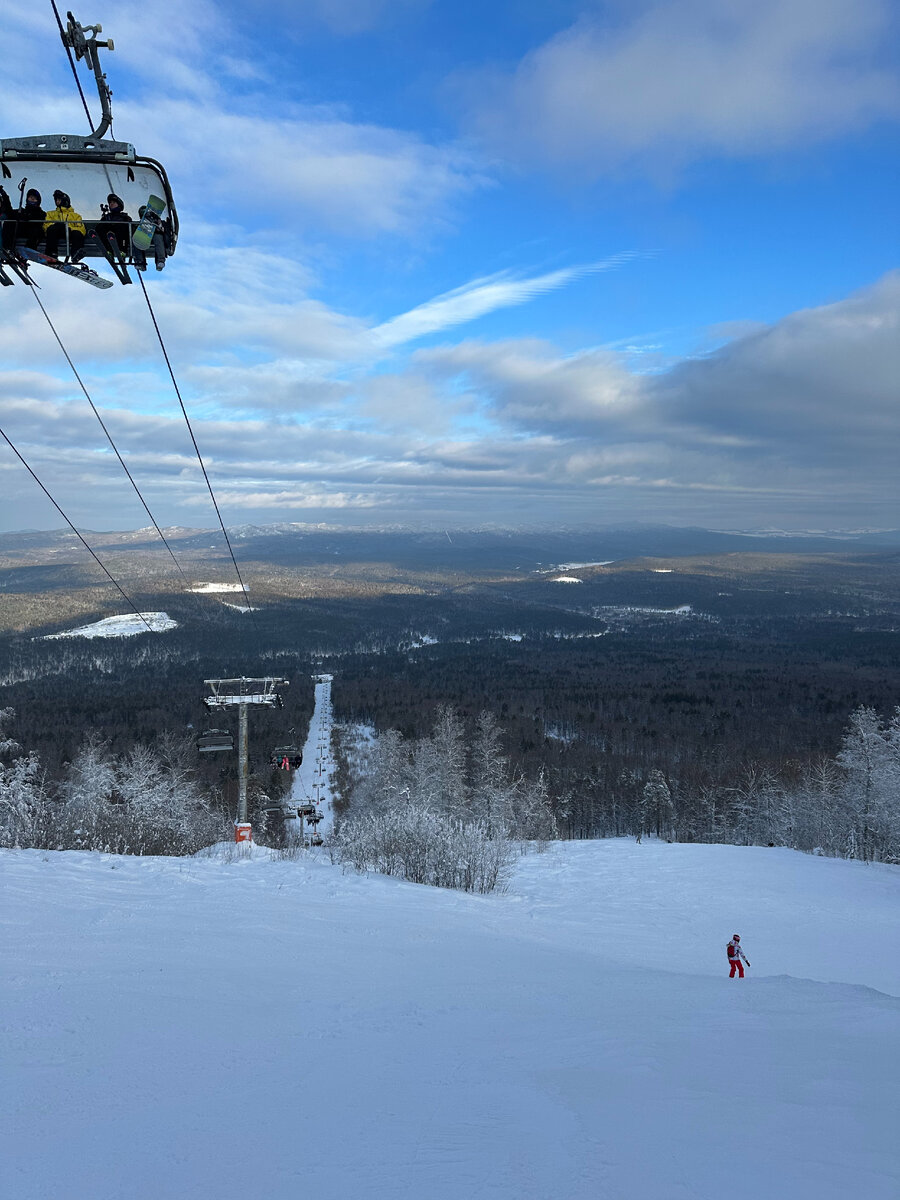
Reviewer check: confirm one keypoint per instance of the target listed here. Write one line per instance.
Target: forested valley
(716, 699)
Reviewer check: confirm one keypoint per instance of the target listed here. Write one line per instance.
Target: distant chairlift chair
(214, 740)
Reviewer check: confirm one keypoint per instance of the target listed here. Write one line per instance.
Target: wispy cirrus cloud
(483, 296)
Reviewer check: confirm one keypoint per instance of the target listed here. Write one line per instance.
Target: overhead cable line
(212, 495)
(105, 571)
(109, 438)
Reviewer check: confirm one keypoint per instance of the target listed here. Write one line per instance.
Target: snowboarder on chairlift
(115, 221)
(735, 954)
(27, 221)
(159, 248)
(63, 222)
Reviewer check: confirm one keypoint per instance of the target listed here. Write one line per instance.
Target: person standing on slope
(735, 954)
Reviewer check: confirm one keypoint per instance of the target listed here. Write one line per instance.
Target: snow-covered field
(126, 625)
(263, 1030)
(209, 588)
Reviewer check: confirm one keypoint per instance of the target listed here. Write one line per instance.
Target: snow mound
(124, 626)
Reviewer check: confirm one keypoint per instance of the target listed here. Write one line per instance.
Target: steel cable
(187, 420)
(105, 571)
(109, 438)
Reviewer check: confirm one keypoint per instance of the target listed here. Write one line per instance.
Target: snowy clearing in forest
(207, 588)
(574, 566)
(567, 579)
(236, 1027)
(124, 626)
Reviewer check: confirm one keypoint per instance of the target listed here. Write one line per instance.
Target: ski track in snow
(249, 1027)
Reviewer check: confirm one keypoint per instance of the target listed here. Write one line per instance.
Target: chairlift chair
(88, 169)
(214, 740)
(293, 754)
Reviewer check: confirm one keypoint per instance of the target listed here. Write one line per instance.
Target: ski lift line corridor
(313, 780)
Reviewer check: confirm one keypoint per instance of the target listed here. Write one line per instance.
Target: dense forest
(713, 674)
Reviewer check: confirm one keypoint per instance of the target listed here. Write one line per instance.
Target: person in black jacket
(27, 222)
(115, 221)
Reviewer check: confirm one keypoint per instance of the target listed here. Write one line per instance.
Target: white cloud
(526, 384)
(230, 153)
(791, 422)
(482, 296)
(672, 82)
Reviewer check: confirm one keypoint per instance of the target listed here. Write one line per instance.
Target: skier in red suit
(735, 954)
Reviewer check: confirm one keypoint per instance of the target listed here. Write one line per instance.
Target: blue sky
(453, 264)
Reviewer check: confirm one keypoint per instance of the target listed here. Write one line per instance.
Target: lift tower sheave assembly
(241, 694)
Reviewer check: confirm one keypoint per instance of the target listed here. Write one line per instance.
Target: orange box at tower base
(242, 832)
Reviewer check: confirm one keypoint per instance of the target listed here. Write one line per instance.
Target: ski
(11, 260)
(76, 270)
(113, 255)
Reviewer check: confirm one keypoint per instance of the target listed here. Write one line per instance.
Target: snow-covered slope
(265, 1029)
(126, 625)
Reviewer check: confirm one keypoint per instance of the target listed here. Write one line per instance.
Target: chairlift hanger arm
(82, 39)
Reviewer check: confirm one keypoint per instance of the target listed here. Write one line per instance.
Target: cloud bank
(668, 83)
(793, 422)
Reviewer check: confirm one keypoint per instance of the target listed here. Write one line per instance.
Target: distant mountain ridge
(511, 549)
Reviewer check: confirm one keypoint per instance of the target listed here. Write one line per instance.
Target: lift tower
(240, 694)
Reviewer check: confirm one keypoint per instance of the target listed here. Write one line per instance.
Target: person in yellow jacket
(59, 220)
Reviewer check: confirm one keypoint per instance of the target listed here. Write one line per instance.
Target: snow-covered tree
(491, 792)
(439, 767)
(870, 763)
(21, 792)
(657, 806)
(533, 819)
(88, 792)
(414, 811)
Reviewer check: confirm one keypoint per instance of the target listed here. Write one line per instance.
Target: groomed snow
(260, 1029)
(123, 626)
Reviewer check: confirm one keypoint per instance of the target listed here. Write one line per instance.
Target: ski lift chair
(214, 740)
(293, 754)
(88, 169)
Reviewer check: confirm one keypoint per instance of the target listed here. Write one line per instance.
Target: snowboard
(76, 270)
(142, 237)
